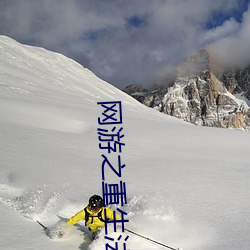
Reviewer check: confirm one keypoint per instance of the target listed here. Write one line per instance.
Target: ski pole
(159, 243)
(45, 228)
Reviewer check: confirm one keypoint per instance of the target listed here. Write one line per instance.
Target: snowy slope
(187, 186)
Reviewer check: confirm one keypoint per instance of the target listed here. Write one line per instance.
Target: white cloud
(228, 28)
(233, 50)
(97, 32)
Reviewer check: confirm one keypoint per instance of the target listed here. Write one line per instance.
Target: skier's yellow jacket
(93, 223)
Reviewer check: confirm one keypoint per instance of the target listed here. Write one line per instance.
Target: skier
(93, 214)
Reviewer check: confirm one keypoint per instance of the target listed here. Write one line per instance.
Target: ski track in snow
(147, 214)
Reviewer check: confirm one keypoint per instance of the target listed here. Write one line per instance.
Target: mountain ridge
(200, 95)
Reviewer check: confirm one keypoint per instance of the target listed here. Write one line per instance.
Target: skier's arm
(77, 217)
(110, 214)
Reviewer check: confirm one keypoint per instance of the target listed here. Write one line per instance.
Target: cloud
(228, 28)
(233, 49)
(122, 41)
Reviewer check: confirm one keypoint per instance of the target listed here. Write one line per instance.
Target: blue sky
(131, 41)
(218, 17)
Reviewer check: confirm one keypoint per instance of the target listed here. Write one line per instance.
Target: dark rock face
(201, 97)
(237, 81)
(137, 91)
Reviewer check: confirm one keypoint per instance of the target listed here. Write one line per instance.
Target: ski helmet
(95, 202)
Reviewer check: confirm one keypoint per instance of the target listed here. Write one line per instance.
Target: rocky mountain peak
(200, 96)
(196, 64)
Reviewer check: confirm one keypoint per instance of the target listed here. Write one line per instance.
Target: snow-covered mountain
(201, 95)
(187, 186)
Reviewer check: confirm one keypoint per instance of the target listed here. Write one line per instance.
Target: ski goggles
(94, 208)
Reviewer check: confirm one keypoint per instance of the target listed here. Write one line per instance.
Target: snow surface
(187, 186)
